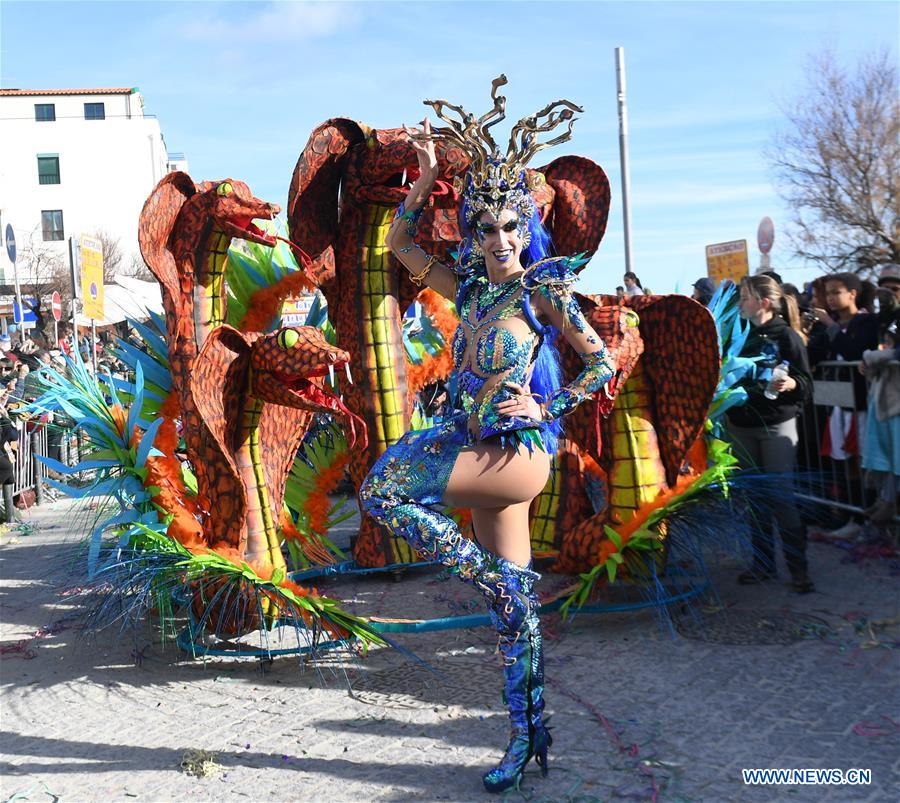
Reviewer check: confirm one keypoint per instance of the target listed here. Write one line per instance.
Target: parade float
(220, 455)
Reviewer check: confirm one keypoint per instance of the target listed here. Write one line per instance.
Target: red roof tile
(114, 91)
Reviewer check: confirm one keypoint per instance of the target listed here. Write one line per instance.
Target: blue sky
(239, 86)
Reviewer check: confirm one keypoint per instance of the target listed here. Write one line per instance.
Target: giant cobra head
(232, 208)
(288, 367)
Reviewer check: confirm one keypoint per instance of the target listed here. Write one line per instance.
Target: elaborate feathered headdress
(495, 182)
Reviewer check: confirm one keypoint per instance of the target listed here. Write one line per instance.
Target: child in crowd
(881, 447)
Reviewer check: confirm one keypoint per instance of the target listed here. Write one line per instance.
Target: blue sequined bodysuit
(496, 342)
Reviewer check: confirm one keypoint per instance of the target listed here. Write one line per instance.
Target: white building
(75, 161)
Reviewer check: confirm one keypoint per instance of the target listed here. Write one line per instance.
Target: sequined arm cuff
(407, 221)
(598, 370)
(410, 216)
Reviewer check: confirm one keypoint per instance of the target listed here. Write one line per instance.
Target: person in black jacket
(852, 333)
(854, 330)
(9, 434)
(764, 431)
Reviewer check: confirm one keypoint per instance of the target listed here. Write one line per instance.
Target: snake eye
(287, 338)
(225, 188)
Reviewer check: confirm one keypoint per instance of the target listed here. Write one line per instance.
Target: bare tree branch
(112, 254)
(137, 269)
(47, 272)
(837, 164)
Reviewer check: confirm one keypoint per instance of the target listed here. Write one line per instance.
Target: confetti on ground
(23, 647)
(649, 785)
(200, 764)
(887, 727)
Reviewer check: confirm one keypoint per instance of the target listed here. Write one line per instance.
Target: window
(52, 224)
(94, 111)
(45, 112)
(48, 169)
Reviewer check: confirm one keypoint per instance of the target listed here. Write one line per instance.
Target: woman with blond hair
(764, 430)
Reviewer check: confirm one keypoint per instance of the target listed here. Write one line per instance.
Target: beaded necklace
(492, 295)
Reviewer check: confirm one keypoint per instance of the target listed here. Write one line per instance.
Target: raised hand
(424, 148)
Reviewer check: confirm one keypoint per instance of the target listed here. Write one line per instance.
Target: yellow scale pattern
(249, 464)
(543, 525)
(379, 311)
(637, 474)
(209, 311)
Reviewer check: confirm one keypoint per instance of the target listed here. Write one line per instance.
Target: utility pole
(623, 152)
(73, 274)
(11, 251)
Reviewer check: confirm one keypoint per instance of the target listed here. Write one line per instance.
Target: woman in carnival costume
(491, 452)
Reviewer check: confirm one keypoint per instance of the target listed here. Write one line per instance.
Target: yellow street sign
(91, 251)
(727, 261)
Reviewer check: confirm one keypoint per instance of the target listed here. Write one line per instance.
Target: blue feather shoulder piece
(553, 270)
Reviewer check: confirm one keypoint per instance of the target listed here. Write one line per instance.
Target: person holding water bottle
(763, 431)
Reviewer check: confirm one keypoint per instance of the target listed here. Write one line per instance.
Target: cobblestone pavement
(640, 712)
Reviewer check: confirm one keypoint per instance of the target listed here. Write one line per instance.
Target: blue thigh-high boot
(515, 617)
(411, 476)
(539, 732)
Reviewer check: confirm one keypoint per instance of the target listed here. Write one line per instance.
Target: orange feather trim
(317, 503)
(312, 546)
(172, 497)
(697, 455)
(636, 522)
(300, 591)
(282, 604)
(119, 417)
(439, 367)
(266, 302)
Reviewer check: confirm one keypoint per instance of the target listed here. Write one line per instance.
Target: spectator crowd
(26, 368)
(796, 336)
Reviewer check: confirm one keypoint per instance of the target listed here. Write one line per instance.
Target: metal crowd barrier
(28, 471)
(832, 387)
(843, 485)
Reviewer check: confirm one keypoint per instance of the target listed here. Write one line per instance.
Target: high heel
(540, 732)
(542, 742)
(513, 616)
(508, 773)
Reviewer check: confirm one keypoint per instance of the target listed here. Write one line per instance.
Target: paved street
(639, 712)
